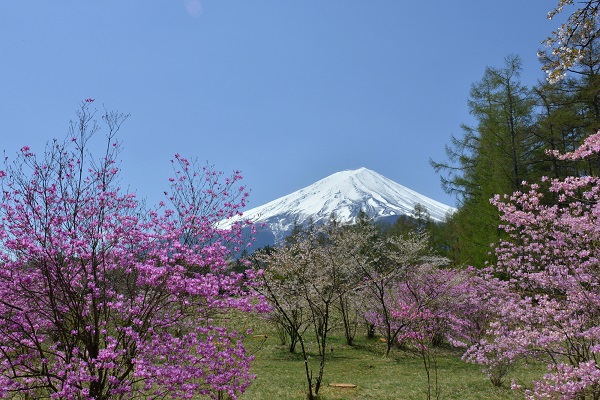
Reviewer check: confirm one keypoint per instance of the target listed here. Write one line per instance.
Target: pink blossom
(103, 298)
(547, 307)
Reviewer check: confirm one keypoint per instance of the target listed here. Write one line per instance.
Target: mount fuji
(344, 193)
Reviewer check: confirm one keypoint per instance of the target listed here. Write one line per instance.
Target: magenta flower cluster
(547, 307)
(102, 298)
(540, 301)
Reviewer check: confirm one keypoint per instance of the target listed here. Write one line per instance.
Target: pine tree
(494, 156)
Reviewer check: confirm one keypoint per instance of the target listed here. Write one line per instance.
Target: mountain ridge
(344, 194)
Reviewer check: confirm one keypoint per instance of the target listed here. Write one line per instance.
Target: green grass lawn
(280, 374)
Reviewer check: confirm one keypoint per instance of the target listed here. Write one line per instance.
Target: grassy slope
(280, 375)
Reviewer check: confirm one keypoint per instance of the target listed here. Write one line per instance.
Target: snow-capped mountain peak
(344, 193)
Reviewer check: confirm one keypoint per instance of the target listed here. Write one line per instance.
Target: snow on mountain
(344, 193)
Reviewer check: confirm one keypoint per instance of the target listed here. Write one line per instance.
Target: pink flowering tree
(551, 262)
(431, 305)
(101, 298)
(390, 263)
(482, 308)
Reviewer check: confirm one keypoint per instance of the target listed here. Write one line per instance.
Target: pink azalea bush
(548, 305)
(424, 303)
(101, 298)
(430, 304)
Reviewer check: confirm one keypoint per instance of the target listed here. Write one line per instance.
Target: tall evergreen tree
(494, 156)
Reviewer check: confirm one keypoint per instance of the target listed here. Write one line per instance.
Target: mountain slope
(344, 193)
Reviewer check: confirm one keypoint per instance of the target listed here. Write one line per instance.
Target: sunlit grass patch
(281, 375)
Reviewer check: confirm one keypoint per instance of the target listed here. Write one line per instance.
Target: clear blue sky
(287, 91)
